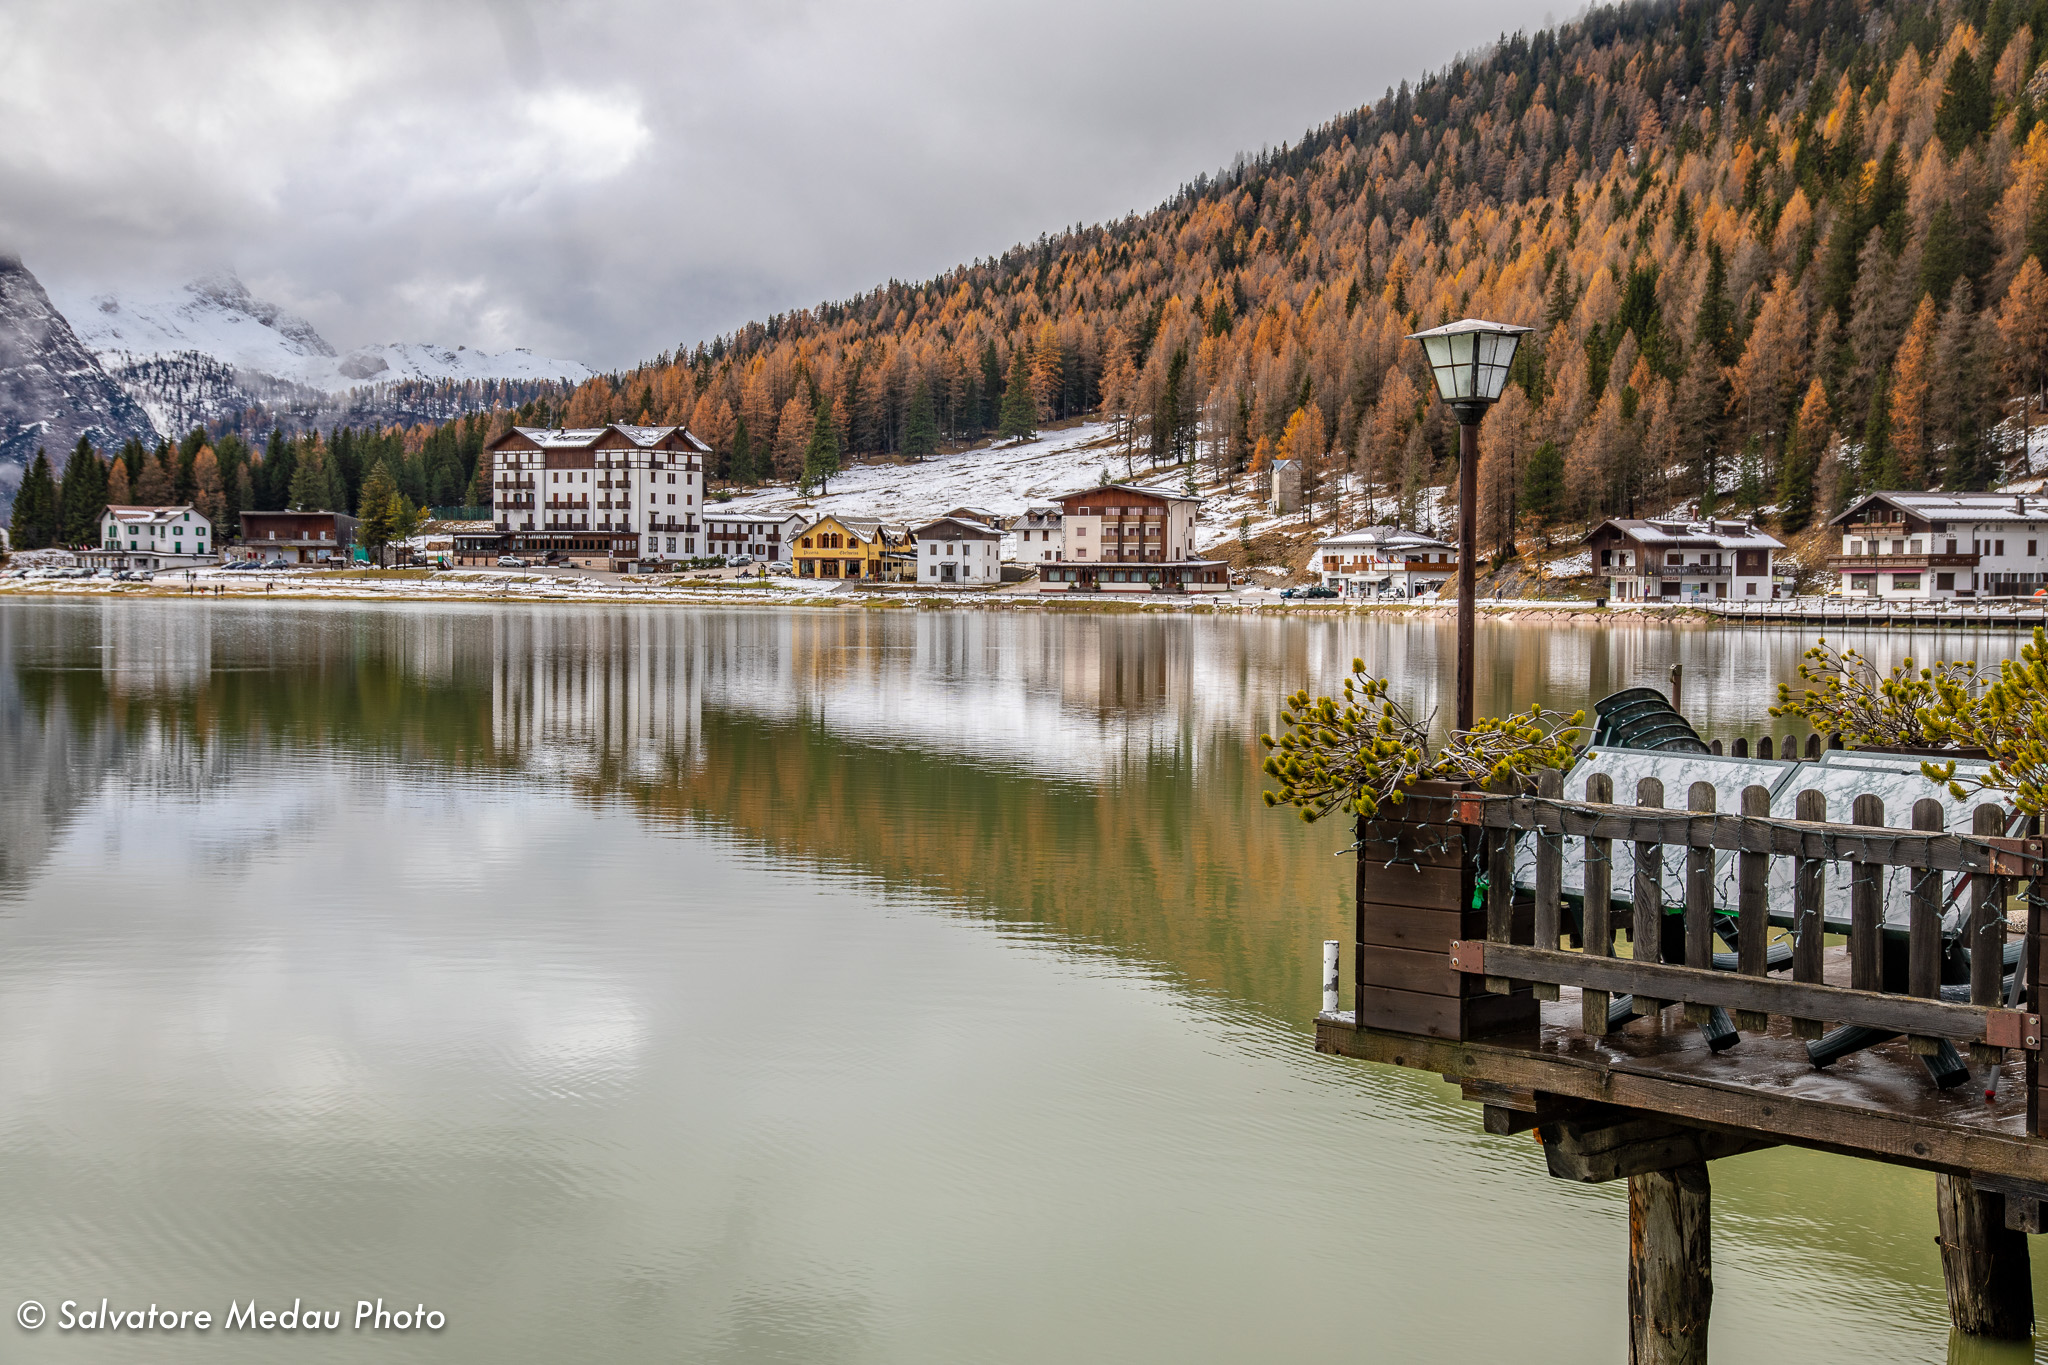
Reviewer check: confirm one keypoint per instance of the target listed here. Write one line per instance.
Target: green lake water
(672, 985)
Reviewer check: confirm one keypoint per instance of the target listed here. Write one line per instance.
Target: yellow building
(859, 548)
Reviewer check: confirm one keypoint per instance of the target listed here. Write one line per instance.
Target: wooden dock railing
(1526, 948)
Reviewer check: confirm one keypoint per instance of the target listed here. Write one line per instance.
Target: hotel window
(1905, 582)
(1998, 547)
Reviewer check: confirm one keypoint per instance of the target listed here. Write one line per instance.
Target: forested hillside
(1775, 251)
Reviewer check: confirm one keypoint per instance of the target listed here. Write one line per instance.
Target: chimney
(2019, 503)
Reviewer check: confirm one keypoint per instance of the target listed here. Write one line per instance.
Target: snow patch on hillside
(217, 317)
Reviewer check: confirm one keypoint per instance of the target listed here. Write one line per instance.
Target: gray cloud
(601, 181)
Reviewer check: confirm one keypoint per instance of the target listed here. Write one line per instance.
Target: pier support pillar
(1670, 1266)
(1990, 1281)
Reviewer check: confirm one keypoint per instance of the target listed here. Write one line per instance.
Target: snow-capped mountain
(217, 317)
(52, 390)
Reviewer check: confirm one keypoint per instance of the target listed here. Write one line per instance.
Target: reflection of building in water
(599, 693)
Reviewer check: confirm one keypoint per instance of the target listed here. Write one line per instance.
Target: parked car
(739, 561)
(511, 561)
(277, 562)
(1319, 591)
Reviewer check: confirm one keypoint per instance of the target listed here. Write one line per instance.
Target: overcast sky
(600, 181)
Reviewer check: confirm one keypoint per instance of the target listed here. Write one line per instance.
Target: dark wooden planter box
(1415, 879)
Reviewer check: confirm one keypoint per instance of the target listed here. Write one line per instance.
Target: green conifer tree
(374, 525)
(821, 453)
(920, 425)
(1543, 484)
(743, 465)
(309, 489)
(1965, 109)
(82, 496)
(35, 523)
(1019, 420)
(1795, 482)
(1879, 468)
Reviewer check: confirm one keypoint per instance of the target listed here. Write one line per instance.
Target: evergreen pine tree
(1717, 317)
(1795, 482)
(1543, 484)
(821, 453)
(34, 526)
(374, 524)
(1019, 420)
(309, 488)
(1965, 109)
(1879, 469)
(743, 470)
(920, 425)
(82, 497)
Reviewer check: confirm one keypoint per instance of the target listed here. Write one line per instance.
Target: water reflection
(782, 981)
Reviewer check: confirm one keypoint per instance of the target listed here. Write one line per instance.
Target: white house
(955, 550)
(764, 535)
(1922, 545)
(178, 537)
(1669, 559)
(1039, 537)
(1385, 559)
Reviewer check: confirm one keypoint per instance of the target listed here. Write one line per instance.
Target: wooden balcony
(1904, 563)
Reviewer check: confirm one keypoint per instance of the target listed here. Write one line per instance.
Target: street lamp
(1470, 360)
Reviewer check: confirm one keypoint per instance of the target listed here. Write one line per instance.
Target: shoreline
(484, 587)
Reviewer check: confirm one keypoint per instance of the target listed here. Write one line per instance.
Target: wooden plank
(1598, 913)
(1739, 834)
(1646, 931)
(1731, 990)
(1753, 914)
(1623, 1143)
(1699, 901)
(1899, 1138)
(1405, 926)
(1447, 1017)
(1923, 926)
(1809, 899)
(1500, 898)
(1866, 886)
(1406, 969)
(1358, 919)
(1423, 886)
(1549, 877)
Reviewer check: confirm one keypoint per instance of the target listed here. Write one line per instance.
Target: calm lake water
(856, 986)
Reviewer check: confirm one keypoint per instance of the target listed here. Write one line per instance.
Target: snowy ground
(1005, 479)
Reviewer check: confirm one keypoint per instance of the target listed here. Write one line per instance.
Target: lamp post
(1470, 360)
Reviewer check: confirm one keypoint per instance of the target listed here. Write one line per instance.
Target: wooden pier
(1647, 1067)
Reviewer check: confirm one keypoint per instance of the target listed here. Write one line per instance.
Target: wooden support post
(1986, 935)
(1500, 899)
(1809, 926)
(1549, 876)
(1670, 1266)
(1598, 915)
(1923, 943)
(1647, 923)
(1990, 1280)
(1358, 930)
(1753, 911)
(1866, 922)
(2035, 958)
(1699, 901)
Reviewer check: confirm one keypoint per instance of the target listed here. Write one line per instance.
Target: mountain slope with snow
(52, 389)
(217, 317)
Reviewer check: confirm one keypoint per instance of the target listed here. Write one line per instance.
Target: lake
(676, 985)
